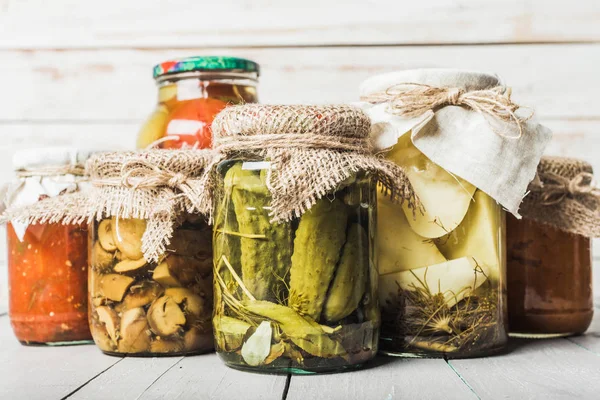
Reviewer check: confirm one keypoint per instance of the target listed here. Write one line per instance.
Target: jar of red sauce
(47, 263)
(191, 92)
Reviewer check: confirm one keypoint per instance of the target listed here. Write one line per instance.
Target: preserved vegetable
(150, 308)
(47, 261)
(191, 92)
(293, 294)
(441, 272)
(48, 283)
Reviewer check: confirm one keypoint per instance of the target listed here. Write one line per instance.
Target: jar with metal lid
(295, 281)
(47, 261)
(549, 252)
(442, 269)
(191, 91)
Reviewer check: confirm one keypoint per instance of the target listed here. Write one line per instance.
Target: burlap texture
(311, 150)
(564, 196)
(156, 185)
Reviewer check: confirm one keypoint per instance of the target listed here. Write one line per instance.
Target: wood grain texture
(390, 378)
(30, 373)
(112, 86)
(128, 379)
(542, 369)
(591, 340)
(185, 23)
(206, 377)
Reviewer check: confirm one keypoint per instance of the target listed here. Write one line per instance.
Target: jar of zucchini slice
(150, 251)
(295, 279)
(442, 271)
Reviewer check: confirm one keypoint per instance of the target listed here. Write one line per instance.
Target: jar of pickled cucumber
(549, 252)
(191, 91)
(442, 269)
(150, 251)
(47, 261)
(294, 237)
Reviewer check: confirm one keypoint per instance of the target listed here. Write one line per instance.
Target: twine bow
(143, 175)
(556, 188)
(412, 100)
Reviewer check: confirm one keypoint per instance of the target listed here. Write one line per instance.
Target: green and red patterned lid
(205, 63)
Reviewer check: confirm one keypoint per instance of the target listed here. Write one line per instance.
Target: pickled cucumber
(319, 239)
(348, 286)
(265, 247)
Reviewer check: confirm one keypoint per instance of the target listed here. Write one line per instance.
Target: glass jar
(549, 280)
(442, 271)
(191, 92)
(47, 277)
(296, 296)
(150, 309)
(47, 262)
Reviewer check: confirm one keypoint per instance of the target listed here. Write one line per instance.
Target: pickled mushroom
(114, 286)
(130, 265)
(196, 340)
(101, 259)
(190, 302)
(102, 338)
(454, 279)
(191, 242)
(399, 247)
(109, 318)
(162, 274)
(105, 236)
(165, 317)
(445, 197)
(185, 269)
(127, 234)
(134, 333)
(140, 295)
(167, 346)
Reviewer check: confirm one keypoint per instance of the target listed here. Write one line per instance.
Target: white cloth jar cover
(53, 165)
(485, 151)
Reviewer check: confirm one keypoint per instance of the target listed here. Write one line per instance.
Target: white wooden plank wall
(78, 72)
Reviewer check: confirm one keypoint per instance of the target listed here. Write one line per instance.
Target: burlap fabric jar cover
(549, 251)
(150, 250)
(294, 235)
(468, 151)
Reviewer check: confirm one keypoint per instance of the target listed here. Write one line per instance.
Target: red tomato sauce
(47, 276)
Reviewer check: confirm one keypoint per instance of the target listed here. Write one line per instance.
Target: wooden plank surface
(30, 373)
(591, 340)
(206, 377)
(185, 23)
(389, 378)
(115, 86)
(542, 369)
(128, 379)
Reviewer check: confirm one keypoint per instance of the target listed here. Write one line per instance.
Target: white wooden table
(543, 369)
